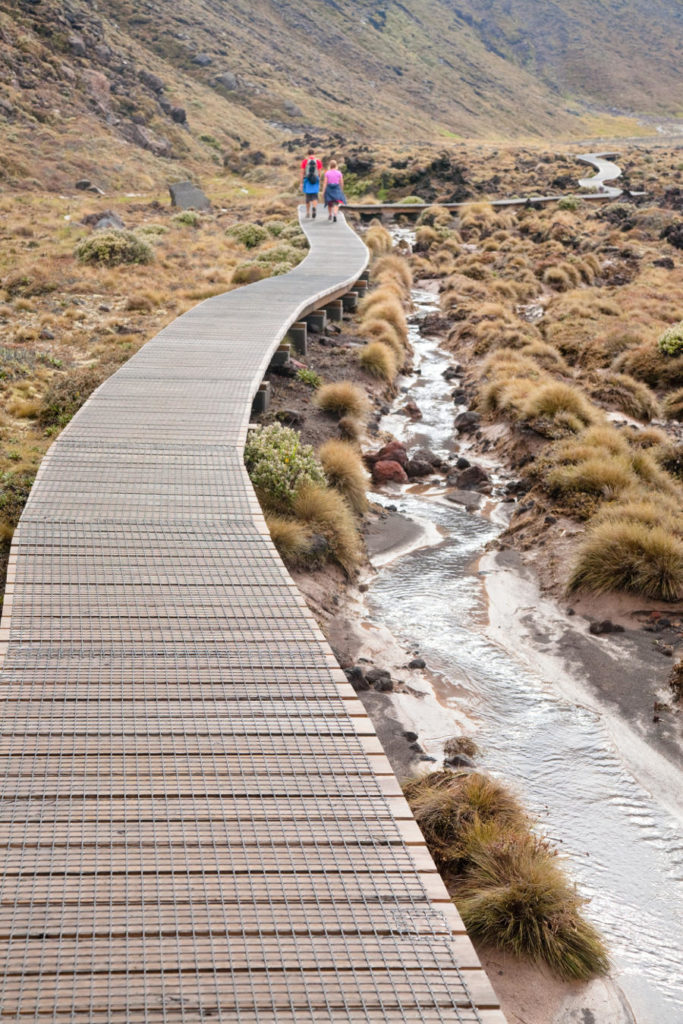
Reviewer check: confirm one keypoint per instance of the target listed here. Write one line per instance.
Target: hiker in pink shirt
(333, 190)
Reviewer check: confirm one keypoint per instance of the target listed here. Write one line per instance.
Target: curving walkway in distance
(198, 821)
(606, 171)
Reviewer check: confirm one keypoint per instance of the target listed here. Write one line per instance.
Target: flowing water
(624, 848)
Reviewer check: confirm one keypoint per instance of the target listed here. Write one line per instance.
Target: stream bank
(551, 707)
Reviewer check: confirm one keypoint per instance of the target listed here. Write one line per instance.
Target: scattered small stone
(380, 679)
(666, 262)
(392, 508)
(417, 748)
(462, 463)
(427, 455)
(410, 736)
(203, 60)
(47, 335)
(426, 757)
(459, 761)
(549, 520)
(606, 626)
(357, 678)
(417, 663)
(452, 371)
(104, 308)
(83, 184)
(459, 396)
(363, 588)
(474, 478)
(571, 611)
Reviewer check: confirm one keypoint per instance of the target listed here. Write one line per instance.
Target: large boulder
(227, 80)
(388, 471)
(103, 219)
(467, 422)
(187, 196)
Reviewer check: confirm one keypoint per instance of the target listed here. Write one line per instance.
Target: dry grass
(342, 398)
(379, 360)
(630, 556)
(328, 513)
(381, 305)
(673, 405)
(382, 330)
(393, 268)
(509, 886)
(345, 471)
(631, 396)
(378, 239)
(555, 398)
(292, 540)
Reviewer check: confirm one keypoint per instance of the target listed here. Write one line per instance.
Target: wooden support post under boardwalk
(281, 355)
(298, 334)
(350, 301)
(365, 276)
(261, 399)
(335, 311)
(361, 288)
(317, 321)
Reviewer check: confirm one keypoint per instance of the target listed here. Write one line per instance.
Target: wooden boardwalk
(197, 819)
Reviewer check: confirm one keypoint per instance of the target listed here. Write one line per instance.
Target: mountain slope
(127, 86)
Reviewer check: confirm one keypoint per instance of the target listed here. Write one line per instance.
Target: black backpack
(312, 172)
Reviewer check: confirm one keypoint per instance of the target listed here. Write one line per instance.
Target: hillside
(130, 89)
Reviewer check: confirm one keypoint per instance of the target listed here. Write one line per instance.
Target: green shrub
(248, 235)
(413, 200)
(671, 342)
(309, 377)
(570, 203)
(275, 228)
(189, 218)
(152, 231)
(112, 248)
(278, 464)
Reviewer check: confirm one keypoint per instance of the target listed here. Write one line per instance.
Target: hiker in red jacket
(311, 169)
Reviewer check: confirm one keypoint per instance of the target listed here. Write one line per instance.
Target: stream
(623, 845)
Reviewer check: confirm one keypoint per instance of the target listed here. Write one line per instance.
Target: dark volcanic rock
(474, 478)
(467, 422)
(188, 196)
(103, 219)
(601, 628)
(417, 663)
(418, 468)
(674, 234)
(666, 262)
(427, 455)
(380, 679)
(203, 60)
(412, 410)
(178, 114)
(147, 139)
(227, 80)
(357, 678)
(151, 80)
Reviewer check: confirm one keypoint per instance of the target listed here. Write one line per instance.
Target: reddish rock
(392, 452)
(387, 470)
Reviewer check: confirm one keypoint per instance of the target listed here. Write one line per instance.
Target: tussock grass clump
(435, 215)
(647, 363)
(113, 248)
(624, 392)
(673, 405)
(382, 305)
(329, 513)
(248, 272)
(509, 886)
(350, 429)
(292, 540)
(378, 239)
(393, 268)
(379, 360)
(630, 556)
(382, 330)
(516, 896)
(593, 475)
(426, 237)
(555, 398)
(345, 471)
(446, 804)
(343, 398)
(188, 218)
